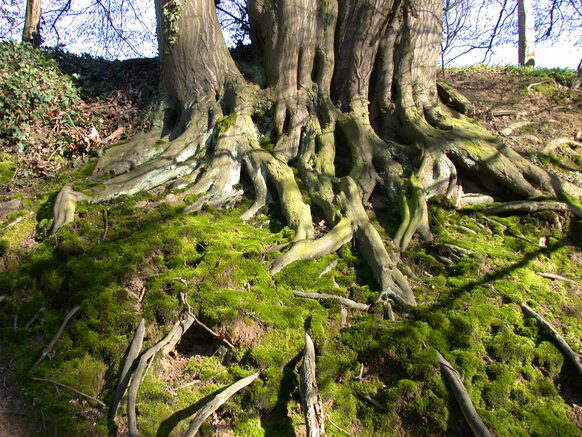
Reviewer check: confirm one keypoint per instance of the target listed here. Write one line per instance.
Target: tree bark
(31, 32)
(527, 33)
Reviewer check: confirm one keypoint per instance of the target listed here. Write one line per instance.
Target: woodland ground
(133, 257)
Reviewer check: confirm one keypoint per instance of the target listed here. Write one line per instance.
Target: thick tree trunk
(31, 32)
(350, 102)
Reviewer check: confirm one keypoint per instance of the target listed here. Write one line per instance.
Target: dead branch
(576, 358)
(125, 376)
(68, 387)
(343, 300)
(556, 277)
(462, 395)
(2, 297)
(199, 323)
(31, 321)
(532, 206)
(310, 399)
(176, 333)
(337, 426)
(554, 144)
(371, 401)
(50, 346)
(213, 405)
(531, 85)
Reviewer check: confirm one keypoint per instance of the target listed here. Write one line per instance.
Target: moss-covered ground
(133, 258)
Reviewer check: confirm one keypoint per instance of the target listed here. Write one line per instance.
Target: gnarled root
(175, 334)
(125, 375)
(462, 395)
(210, 407)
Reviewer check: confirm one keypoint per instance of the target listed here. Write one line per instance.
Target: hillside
(140, 258)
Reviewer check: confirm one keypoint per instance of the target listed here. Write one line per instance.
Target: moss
(8, 168)
(223, 124)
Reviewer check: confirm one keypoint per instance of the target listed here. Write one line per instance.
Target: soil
(528, 113)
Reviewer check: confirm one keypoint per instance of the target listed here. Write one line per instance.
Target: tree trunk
(31, 33)
(349, 100)
(527, 33)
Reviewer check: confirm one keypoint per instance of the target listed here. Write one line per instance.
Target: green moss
(225, 123)
(8, 168)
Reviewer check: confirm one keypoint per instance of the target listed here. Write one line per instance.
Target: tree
(527, 33)
(484, 26)
(348, 100)
(31, 32)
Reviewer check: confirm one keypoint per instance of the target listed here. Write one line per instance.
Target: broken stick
(213, 405)
(343, 300)
(462, 395)
(50, 346)
(68, 387)
(576, 358)
(310, 399)
(556, 277)
(125, 376)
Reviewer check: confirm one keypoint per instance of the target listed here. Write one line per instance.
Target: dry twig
(68, 387)
(50, 346)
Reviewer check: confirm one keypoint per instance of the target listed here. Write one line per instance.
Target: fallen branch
(31, 321)
(50, 346)
(372, 401)
(532, 206)
(176, 333)
(125, 376)
(343, 300)
(310, 399)
(462, 395)
(556, 277)
(531, 85)
(213, 405)
(199, 323)
(337, 426)
(576, 358)
(68, 387)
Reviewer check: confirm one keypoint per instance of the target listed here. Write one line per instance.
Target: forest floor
(533, 111)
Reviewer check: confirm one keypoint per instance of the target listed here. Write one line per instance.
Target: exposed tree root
(52, 343)
(64, 207)
(210, 407)
(568, 351)
(310, 399)
(175, 334)
(125, 375)
(343, 300)
(532, 206)
(462, 395)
